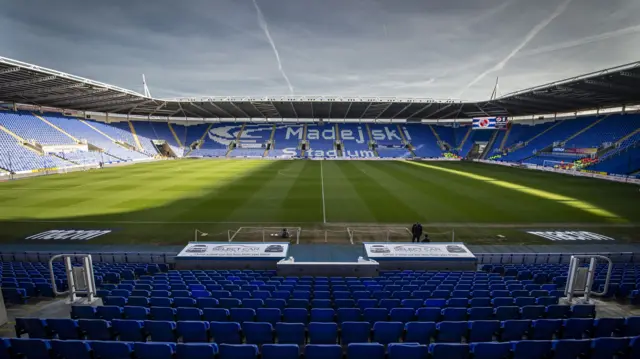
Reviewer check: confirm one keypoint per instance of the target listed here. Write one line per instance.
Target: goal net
(264, 234)
(394, 234)
(378, 234)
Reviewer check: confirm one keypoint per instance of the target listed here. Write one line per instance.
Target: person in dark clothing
(416, 232)
(285, 233)
(426, 238)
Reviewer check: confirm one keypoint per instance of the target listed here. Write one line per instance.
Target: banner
(484, 123)
(65, 148)
(502, 123)
(250, 145)
(234, 250)
(587, 151)
(69, 234)
(418, 250)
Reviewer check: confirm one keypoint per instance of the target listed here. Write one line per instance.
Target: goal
(263, 234)
(378, 234)
(393, 234)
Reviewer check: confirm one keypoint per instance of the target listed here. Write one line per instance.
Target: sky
(404, 48)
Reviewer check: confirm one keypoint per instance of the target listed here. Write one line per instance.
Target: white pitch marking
(324, 210)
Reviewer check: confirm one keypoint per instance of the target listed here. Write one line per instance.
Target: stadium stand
(30, 127)
(286, 140)
(355, 139)
(252, 141)
(16, 157)
(211, 140)
(500, 311)
(322, 140)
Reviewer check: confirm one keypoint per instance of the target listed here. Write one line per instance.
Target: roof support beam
(27, 82)
(203, 110)
(401, 111)
(213, 104)
(82, 99)
(330, 104)
(421, 109)
(384, 110)
(9, 70)
(346, 113)
(109, 105)
(162, 105)
(239, 109)
(59, 88)
(294, 109)
(365, 110)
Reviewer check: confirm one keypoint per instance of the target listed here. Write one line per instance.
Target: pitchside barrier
(169, 258)
(263, 234)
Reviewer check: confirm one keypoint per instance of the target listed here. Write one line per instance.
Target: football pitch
(164, 202)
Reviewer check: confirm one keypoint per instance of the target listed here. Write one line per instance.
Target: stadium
(290, 226)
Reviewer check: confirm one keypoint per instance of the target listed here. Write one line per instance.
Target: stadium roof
(34, 85)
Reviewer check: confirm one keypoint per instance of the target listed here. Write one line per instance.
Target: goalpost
(393, 234)
(263, 234)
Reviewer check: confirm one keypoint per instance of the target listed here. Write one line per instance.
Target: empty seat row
(303, 315)
(327, 332)
(602, 348)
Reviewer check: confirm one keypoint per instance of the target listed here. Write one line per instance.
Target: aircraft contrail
(583, 41)
(263, 25)
(535, 31)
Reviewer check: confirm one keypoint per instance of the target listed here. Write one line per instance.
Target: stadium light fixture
(202, 234)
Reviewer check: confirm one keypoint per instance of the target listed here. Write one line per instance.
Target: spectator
(416, 232)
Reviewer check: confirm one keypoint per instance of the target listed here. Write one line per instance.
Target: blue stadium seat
(606, 348)
(632, 326)
(407, 351)
(502, 301)
(355, 332)
(275, 303)
(514, 329)
(129, 330)
(252, 303)
(449, 351)
(226, 332)
(295, 315)
(322, 315)
(507, 313)
(403, 315)
(154, 350)
(138, 301)
(483, 330)
(490, 350)
(184, 302)
(110, 312)
(420, 332)
(34, 327)
(160, 302)
(387, 332)
(545, 329)
(373, 315)
(344, 303)
(111, 350)
(242, 315)
(323, 351)
(349, 315)
(570, 348)
(366, 303)
(323, 333)
(365, 351)
(83, 312)
(480, 313)
(64, 329)
(290, 333)
(532, 312)
(607, 327)
(161, 331)
(137, 313)
(436, 302)
(163, 313)
(203, 303)
(70, 349)
(30, 348)
(268, 315)
(258, 333)
(428, 314)
(480, 302)
(229, 303)
(196, 350)
(531, 349)
(576, 328)
(96, 329)
(583, 311)
(451, 331)
(457, 302)
(215, 314)
(558, 311)
(280, 351)
(412, 303)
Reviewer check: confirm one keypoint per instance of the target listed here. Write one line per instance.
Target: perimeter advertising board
(208, 250)
(418, 251)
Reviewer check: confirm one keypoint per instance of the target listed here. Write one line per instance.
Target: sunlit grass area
(164, 202)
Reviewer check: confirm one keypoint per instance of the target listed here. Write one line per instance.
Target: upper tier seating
(30, 127)
(424, 142)
(286, 139)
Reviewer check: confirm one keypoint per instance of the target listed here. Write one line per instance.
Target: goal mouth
(264, 234)
(393, 234)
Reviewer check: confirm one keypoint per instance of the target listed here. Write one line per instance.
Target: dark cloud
(408, 48)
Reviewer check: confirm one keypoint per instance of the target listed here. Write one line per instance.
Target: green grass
(164, 202)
